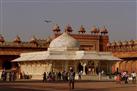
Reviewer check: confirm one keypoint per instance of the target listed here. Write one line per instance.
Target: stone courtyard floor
(63, 86)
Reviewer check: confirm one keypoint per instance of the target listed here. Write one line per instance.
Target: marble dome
(64, 41)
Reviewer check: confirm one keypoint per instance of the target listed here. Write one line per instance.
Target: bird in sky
(47, 21)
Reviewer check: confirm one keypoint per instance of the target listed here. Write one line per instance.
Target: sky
(26, 17)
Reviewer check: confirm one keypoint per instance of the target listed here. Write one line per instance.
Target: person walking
(71, 78)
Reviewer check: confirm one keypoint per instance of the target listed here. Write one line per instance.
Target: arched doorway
(80, 67)
(6, 61)
(91, 67)
(6, 65)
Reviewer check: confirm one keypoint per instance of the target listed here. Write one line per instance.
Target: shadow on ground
(22, 89)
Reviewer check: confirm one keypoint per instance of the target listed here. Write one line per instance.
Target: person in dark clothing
(59, 76)
(71, 79)
(126, 78)
(13, 76)
(10, 76)
(44, 77)
(4, 75)
(64, 75)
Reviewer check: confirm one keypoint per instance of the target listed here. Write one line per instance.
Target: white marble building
(63, 53)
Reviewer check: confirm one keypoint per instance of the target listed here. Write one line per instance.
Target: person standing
(99, 75)
(80, 74)
(118, 78)
(71, 78)
(133, 74)
(14, 76)
(4, 75)
(59, 76)
(44, 77)
(10, 76)
(126, 78)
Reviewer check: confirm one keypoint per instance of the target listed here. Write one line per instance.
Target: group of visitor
(65, 76)
(8, 76)
(49, 76)
(25, 76)
(124, 76)
(52, 76)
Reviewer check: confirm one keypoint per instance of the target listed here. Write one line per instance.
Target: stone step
(94, 77)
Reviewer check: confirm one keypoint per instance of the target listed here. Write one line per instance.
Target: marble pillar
(84, 67)
(66, 66)
(96, 64)
(75, 66)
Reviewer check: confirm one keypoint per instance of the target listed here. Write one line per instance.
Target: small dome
(108, 44)
(33, 39)
(125, 43)
(94, 29)
(64, 41)
(131, 42)
(82, 29)
(1, 38)
(56, 28)
(114, 43)
(68, 28)
(103, 30)
(135, 42)
(119, 43)
(17, 39)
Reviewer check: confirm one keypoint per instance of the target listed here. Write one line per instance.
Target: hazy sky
(26, 17)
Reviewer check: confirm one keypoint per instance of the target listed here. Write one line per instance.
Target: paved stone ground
(63, 86)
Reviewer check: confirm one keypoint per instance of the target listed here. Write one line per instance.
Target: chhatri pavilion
(64, 52)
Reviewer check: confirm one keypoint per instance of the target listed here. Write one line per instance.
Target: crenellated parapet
(18, 43)
(21, 45)
(94, 39)
(122, 46)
